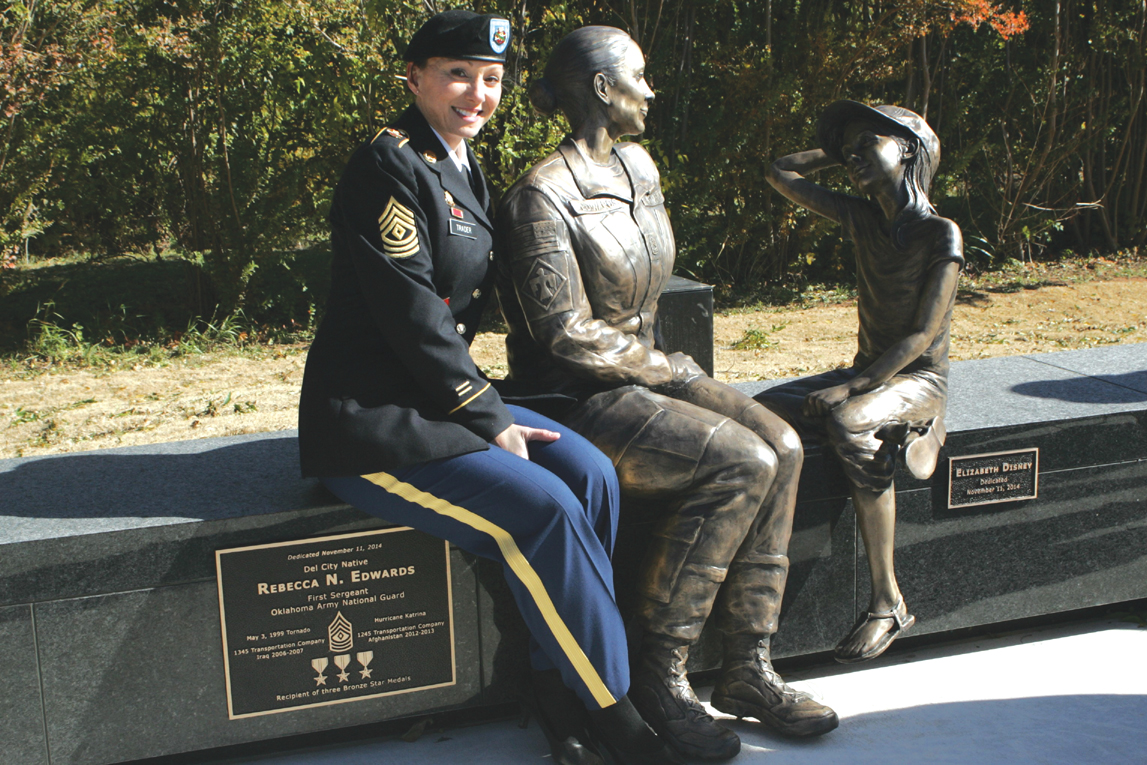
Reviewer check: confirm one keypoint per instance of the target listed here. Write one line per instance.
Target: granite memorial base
(970, 549)
(111, 592)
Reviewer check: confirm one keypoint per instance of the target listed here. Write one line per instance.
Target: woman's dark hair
(569, 75)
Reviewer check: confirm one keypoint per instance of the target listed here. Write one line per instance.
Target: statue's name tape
(984, 479)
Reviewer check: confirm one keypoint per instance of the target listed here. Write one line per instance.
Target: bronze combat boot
(660, 690)
(750, 687)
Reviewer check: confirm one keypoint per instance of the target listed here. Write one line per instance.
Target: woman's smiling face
(872, 158)
(457, 96)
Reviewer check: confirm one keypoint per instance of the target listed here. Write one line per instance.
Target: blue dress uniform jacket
(389, 381)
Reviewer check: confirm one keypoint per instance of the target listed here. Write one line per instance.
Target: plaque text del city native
(334, 619)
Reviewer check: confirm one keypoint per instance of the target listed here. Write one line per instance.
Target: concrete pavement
(1069, 693)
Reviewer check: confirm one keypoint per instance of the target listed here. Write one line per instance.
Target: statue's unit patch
(398, 230)
(544, 284)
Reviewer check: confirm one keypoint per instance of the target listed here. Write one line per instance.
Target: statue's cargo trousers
(725, 470)
(550, 522)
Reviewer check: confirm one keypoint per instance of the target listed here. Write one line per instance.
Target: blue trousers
(550, 521)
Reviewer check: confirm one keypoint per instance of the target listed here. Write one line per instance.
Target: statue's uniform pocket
(668, 551)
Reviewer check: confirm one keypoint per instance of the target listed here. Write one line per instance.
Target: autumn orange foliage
(977, 12)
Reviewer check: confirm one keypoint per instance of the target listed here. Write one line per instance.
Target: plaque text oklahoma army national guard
(334, 619)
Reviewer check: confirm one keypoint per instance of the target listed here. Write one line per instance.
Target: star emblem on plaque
(364, 658)
(320, 665)
(342, 661)
(340, 634)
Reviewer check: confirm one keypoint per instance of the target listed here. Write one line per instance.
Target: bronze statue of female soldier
(587, 249)
(889, 405)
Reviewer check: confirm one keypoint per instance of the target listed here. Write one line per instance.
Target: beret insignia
(398, 231)
(499, 35)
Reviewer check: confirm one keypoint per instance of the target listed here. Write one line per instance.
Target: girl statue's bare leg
(887, 617)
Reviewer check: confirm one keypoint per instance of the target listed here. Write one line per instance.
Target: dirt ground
(230, 393)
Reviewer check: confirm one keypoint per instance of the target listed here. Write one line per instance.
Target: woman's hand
(514, 439)
(819, 403)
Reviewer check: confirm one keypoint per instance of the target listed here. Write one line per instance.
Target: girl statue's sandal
(902, 622)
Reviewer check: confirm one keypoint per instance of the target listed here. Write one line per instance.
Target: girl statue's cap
(830, 127)
(461, 34)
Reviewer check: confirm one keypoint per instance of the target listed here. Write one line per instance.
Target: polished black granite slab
(821, 587)
(685, 320)
(1044, 387)
(140, 674)
(112, 553)
(123, 519)
(1082, 542)
(21, 713)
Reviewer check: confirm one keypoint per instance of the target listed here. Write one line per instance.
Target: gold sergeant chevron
(398, 231)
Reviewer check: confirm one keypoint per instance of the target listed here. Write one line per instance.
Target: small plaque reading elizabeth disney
(982, 479)
(334, 619)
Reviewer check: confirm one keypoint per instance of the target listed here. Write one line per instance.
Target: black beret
(461, 34)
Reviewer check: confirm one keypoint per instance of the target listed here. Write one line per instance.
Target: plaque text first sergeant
(334, 619)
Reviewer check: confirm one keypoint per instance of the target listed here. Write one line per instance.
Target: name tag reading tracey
(462, 228)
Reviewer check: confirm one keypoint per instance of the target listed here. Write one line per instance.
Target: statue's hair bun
(543, 97)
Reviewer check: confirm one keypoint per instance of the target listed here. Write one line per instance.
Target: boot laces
(682, 690)
(765, 667)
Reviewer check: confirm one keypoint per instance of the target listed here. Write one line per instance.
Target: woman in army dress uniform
(588, 250)
(397, 420)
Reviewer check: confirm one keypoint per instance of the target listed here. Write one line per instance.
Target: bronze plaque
(982, 479)
(334, 619)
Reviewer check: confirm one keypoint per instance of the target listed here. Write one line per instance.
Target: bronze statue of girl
(889, 405)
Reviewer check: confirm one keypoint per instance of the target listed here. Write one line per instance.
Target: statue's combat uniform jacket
(397, 419)
(587, 250)
(868, 431)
